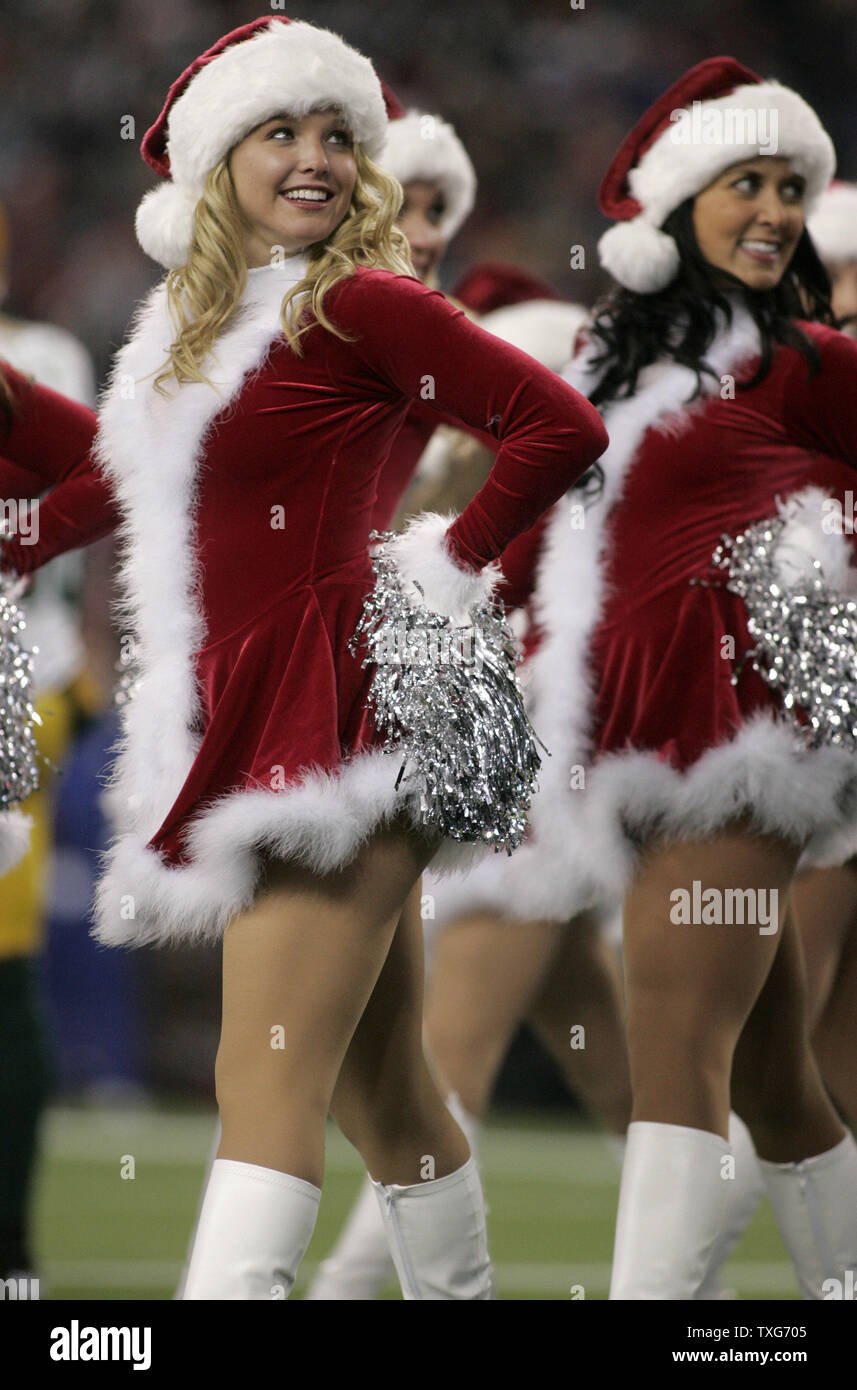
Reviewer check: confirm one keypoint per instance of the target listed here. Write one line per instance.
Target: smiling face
(749, 221)
(422, 212)
(293, 179)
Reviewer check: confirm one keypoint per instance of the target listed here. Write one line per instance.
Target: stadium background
(541, 92)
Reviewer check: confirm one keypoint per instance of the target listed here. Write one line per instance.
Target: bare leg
(834, 1041)
(825, 907)
(776, 1084)
(824, 903)
(582, 990)
(691, 989)
(386, 1100)
(299, 970)
(485, 971)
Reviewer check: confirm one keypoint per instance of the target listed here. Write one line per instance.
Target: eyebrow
(738, 171)
(290, 117)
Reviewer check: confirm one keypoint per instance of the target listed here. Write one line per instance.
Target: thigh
(387, 1042)
(685, 948)
(485, 972)
(301, 964)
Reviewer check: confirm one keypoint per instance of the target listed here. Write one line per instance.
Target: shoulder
(836, 351)
(370, 291)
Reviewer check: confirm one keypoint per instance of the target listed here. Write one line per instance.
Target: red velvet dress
(246, 518)
(632, 686)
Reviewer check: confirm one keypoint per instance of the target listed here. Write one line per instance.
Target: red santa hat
(251, 74)
(492, 285)
(833, 225)
(424, 147)
(718, 114)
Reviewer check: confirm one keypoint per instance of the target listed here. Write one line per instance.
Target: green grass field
(551, 1189)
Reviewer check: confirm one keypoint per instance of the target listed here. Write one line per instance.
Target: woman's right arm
(50, 437)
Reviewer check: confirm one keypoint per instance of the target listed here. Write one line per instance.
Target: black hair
(680, 321)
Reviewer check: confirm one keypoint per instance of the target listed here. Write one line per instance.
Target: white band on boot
(815, 1204)
(437, 1236)
(252, 1234)
(670, 1210)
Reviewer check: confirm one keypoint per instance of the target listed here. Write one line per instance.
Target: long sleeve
(820, 411)
(519, 563)
(548, 434)
(48, 447)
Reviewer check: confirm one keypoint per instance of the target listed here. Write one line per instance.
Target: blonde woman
(243, 432)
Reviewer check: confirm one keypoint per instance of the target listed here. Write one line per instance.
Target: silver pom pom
(447, 698)
(19, 767)
(805, 633)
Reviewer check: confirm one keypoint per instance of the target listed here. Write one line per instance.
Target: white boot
(360, 1263)
(670, 1210)
(437, 1237)
(815, 1204)
(252, 1234)
(743, 1194)
(209, 1164)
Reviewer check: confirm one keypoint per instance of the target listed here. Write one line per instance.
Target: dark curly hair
(680, 322)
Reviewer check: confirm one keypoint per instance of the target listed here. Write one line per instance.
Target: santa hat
(251, 74)
(495, 284)
(424, 147)
(718, 114)
(833, 225)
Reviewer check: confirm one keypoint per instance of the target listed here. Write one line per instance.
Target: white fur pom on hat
(833, 225)
(716, 115)
(424, 147)
(263, 69)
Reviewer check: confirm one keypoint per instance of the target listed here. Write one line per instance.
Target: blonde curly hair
(204, 293)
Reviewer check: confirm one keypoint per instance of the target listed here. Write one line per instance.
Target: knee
(379, 1119)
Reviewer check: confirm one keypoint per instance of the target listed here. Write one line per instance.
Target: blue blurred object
(92, 993)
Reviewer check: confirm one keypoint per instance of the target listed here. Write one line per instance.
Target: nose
(311, 154)
(423, 235)
(771, 211)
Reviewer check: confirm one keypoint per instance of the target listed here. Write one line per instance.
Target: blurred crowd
(541, 91)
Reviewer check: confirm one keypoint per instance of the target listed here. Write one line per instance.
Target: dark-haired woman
(690, 785)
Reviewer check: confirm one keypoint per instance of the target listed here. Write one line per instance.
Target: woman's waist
(229, 612)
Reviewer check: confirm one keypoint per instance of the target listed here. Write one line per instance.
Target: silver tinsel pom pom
(447, 698)
(806, 635)
(19, 767)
